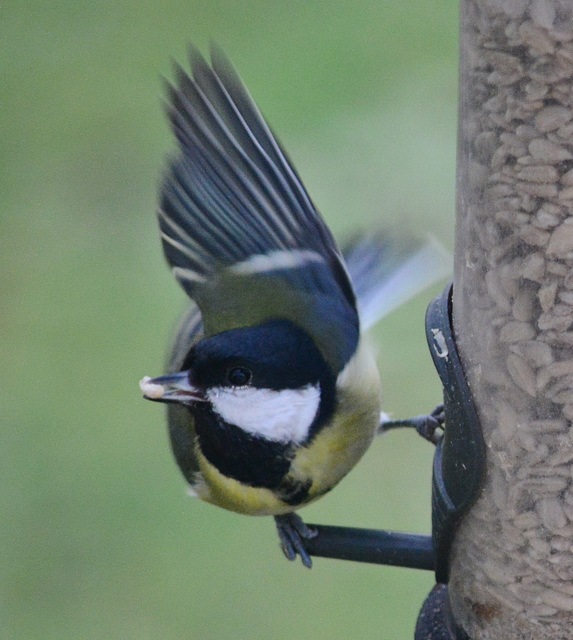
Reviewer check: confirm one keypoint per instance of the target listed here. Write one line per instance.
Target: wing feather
(238, 227)
(232, 193)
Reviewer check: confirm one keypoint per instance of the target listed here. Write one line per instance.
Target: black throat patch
(237, 454)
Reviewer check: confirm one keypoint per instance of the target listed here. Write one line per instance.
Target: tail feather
(387, 271)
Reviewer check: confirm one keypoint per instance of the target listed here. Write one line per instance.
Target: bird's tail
(387, 271)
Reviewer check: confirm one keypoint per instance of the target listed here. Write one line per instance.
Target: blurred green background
(97, 537)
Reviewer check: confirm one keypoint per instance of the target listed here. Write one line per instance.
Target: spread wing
(238, 227)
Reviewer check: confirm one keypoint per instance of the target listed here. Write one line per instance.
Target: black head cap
(275, 355)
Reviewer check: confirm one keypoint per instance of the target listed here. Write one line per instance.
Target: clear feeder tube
(512, 560)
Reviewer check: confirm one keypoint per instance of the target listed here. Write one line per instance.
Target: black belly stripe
(294, 492)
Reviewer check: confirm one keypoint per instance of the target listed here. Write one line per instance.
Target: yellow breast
(341, 444)
(212, 486)
(325, 461)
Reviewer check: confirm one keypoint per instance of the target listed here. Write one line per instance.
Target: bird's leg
(427, 426)
(292, 533)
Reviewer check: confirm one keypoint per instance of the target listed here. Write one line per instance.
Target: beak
(174, 387)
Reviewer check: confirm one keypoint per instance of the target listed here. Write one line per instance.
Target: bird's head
(270, 381)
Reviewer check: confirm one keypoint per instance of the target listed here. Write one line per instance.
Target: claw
(292, 532)
(427, 426)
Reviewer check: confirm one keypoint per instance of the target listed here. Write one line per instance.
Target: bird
(272, 390)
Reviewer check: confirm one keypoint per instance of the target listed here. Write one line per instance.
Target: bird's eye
(239, 376)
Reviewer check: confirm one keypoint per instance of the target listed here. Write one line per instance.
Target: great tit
(273, 394)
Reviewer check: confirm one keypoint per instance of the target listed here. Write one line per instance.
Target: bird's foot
(428, 426)
(292, 533)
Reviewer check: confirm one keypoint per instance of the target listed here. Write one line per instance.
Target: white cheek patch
(281, 416)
